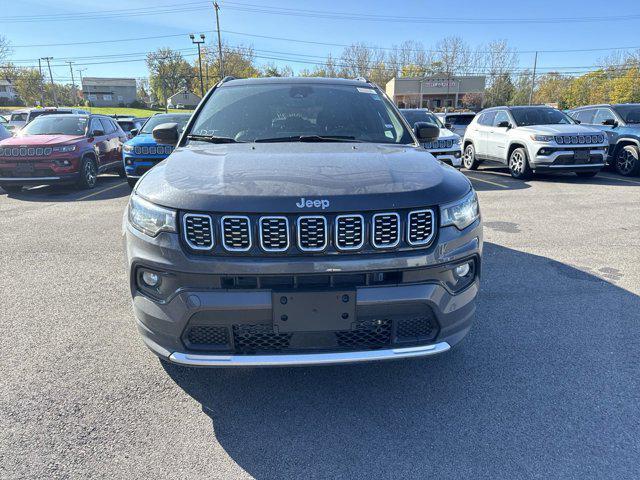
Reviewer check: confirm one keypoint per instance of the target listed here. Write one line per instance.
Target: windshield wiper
(310, 138)
(213, 139)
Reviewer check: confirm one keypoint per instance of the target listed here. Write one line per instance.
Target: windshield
(629, 113)
(126, 126)
(291, 112)
(54, 124)
(156, 120)
(525, 117)
(460, 119)
(19, 117)
(414, 116)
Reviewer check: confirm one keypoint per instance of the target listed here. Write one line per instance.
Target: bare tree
(5, 48)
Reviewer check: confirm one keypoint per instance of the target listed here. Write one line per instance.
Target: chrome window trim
(276, 217)
(184, 230)
(326, 233)
(373, 230)
(355, 247)
(224, 243)
(433, 227)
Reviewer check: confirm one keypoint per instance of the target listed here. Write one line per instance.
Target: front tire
(519, 164)
(121, 172)
(627, 162)
(88, 174)
(132, 182)
(469, 158)
(11, 188)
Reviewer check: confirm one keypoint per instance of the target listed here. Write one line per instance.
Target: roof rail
(362, 79)
(227, 79)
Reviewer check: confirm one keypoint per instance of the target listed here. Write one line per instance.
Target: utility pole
(198, 43)
(41, 83)
(80, 70)
(533, 78)
(73, 85)
(53, 86)
(216, 7)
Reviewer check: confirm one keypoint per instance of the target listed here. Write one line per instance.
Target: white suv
(447, 147)
(534, 139)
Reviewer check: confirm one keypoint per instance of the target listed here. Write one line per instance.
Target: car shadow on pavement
(107, 187)
(606, 177)
(545, 385)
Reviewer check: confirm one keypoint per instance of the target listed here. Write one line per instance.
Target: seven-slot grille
(312, 233)
(155, 150)
(386, 230)
(236, 233)
(274, 234)
(420, 227)
(437, 144)
(198, 231)
(349, 232)
(578, 139)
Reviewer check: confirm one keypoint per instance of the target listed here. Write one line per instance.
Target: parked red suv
(61, 148)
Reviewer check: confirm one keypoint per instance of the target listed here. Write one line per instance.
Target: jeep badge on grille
(304, 203)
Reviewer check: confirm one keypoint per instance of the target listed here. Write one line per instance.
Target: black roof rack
(227, 79)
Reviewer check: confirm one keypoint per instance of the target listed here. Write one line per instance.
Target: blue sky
(193, 16)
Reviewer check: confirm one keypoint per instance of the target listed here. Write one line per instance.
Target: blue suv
(622, 125)
(142, 152)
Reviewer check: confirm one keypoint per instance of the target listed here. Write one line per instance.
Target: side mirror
(504, 124)
(426, 132)
(133, 132)
(610, 122)
(97, 133)
(448, 126)
(166, 133)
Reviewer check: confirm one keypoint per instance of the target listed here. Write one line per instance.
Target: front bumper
(451, 157)
(565, 160)
(41, 180)
(164, 322)
(135, 166)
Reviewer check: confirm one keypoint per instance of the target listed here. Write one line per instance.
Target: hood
(141, 139)
(255, 178)
(561, 129)
(41, 140)
(445, 133)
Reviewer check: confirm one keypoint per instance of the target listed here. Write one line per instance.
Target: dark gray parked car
(297, 222)
(622, 125)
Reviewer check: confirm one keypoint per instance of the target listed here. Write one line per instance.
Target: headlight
(149, 218)
(127, 148)
(461, 213)
(542, 138)
(64, 148)
(456, 140)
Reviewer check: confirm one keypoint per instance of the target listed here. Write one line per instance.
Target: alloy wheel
(516, 162)
(626, 161)
(468, 157)
(90, 174)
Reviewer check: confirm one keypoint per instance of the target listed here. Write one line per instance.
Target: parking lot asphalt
(546, 385)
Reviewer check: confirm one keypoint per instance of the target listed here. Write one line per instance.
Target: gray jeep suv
(298, 222)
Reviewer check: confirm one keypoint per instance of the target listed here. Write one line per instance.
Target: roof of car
(290, 80)
(605, 105)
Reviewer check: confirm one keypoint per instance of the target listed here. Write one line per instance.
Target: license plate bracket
(313, 311)
(582, 156)
(24, 168)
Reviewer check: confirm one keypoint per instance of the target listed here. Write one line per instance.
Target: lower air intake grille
(207, 337)
(420, 228)
(367, 334)
(274, 234)
(236, 233)
(259, 338)
(349, 232)
(312, 233)
(414, 329)
(198, 231)
(386, 230)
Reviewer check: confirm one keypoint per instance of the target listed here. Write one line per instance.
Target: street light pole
(80, 70)
(198, 43)
(533, 78)
(41, 83)
(216, 7)
(73, 85)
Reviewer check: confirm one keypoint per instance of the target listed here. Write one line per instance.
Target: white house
(8, 95)
(187, 99)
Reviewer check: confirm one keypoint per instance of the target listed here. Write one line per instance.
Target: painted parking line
(637, 182)
(101, 191)
(488, 181)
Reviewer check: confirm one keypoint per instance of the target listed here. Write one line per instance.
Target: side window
(603, 114)
(95, 125)
(501, 116)
(487, 118)
(584, 116)
(107, 126)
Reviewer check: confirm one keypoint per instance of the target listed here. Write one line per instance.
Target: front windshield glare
(59, 125)
(539, 116)
(156, 120)
(277, 112)
(629, 113)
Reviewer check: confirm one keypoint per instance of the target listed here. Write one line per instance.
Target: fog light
(150, 279)
(462, 270)
(128, 161)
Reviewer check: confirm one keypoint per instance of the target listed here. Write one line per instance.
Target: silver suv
(534, 139)
(447, 147)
